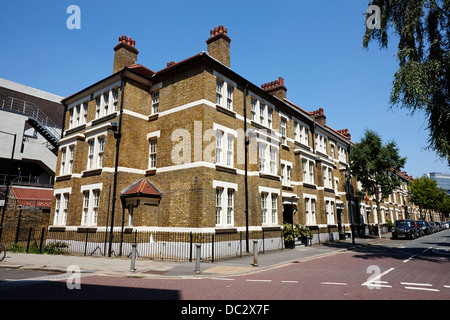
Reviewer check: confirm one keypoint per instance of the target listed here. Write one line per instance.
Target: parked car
(439, 226)
(445, 224)
(435, 227)
(425, 227)
(405, 228)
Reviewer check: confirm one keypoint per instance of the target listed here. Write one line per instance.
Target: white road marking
(416, 284)
(424, 289)
(372, 282)
(289, 281)
(254, 280)
(335, 283)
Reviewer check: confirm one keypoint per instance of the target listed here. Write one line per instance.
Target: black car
(405, 228)
(425, 227)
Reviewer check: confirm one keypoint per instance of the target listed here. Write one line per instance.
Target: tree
(374, 164)
(422, 82)
(425, 194)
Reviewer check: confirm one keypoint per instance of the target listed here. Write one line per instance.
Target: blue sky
(316, 46)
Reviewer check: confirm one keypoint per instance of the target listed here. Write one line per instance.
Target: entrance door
(288, 213)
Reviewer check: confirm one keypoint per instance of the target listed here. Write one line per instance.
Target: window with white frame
(262, 114)
(155, 102)
(329, 208)
(219, 146)
(106, 108)
(219, 92)
(61, 205)
(224, 194)
(98, 105)
(95, 205)
(85, 111)
(101, 149)
(300, 133)
(332, 153)
(269, 209)
(264, 197)
(342, 154)
(77, 116)
(85, 216)
(327, 173)
(269, 117)
(96, 148)
(321, 143)
(91, 150)
(230, 90)
(63, 161)
(268, 160)
(71, 155)
(91, 204)
(283, 130)
(274, 214)
(310, 210)
(115, 98)
(224, 148)
(152, 156)
(230, 206)
(286, 175)
(253, 109)
(308, 171)
(56, 220)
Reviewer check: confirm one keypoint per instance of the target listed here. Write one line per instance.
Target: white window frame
(310, 209)
(330, 209)
(224, 205)
(62, 197)
(269, 205)
(100, 151)
(283, 129)
(327, 173)
(268, 158)
(286, 168)
(96, 148)
(321, 143)
(224, 146)
(155, 102)
(70, 158)
(91, 204)
(153, 150)
(308, 170)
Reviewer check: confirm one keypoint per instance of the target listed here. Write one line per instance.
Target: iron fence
(152, 245)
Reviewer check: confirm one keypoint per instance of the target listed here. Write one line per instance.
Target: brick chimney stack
(219, 45)
(346, 134)
(319, 115)
(275, 88)
(125, 53)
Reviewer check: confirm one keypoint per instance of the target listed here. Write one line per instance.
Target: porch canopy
(141, 192)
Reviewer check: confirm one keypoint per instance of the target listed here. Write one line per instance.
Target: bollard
(197, 259)
(133, 257)
(255, 253)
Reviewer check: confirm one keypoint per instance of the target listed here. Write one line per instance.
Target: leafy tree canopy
(422, 82)
(374, 164)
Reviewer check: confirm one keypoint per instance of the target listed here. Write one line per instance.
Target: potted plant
(304, 233)
(289, 233)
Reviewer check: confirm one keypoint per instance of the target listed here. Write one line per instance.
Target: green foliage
(422, 82)
(426, 194)
(50, 248)
(372, 163)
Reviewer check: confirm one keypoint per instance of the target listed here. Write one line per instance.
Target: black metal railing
(154, 245)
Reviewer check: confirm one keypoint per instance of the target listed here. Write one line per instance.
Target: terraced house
(197, 147)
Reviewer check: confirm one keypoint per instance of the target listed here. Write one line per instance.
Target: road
(393, 270)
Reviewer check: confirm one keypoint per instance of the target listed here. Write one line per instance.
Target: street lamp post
(8, 181)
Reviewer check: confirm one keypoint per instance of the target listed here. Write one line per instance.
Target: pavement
(151, 268)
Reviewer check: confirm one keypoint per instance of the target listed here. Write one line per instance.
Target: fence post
(133, 257)
(190, 246)
(255, 253)
(197, 258)
(42, 239)
(212, 249)
(29, 239)
(86, 242)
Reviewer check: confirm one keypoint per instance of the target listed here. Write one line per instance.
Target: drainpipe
(246, 142)
(118, 137)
